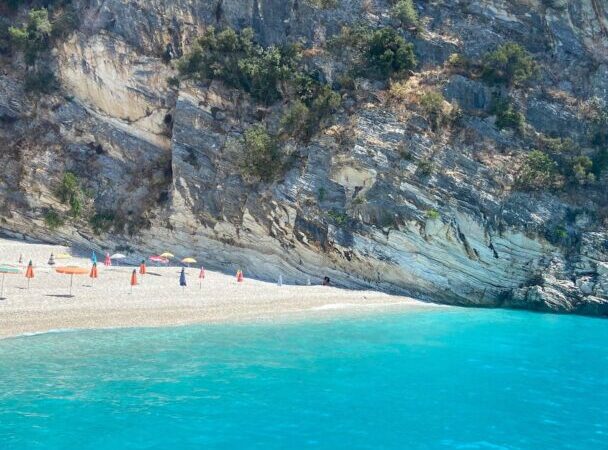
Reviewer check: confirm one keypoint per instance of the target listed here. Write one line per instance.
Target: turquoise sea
(446, 379)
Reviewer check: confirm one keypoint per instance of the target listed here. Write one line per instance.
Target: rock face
(166, 160)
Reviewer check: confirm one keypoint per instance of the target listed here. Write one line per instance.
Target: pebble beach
(157, 300)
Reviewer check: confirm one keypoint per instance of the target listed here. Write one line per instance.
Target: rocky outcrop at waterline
(382, 195)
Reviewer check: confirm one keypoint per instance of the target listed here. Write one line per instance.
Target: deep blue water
(449, 379)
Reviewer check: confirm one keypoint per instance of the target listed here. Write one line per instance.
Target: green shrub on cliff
(509, 64)
(538, 172)
(262, 158)
(507, 116)
(388, 54)
(239, 62)
(433, 106)
(268, 74)
(53, 220)
(405, 12)
(34, 36)
(70, 193)
(376, 53)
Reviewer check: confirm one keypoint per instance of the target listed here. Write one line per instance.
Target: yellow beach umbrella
(189, 261)
(167, 255)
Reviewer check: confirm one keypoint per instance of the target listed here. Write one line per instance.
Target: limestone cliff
(356, 203)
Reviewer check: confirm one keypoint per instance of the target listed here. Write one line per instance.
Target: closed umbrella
(107, 261)
(201, 276)
(71, 271)
(93, 273)
(182, 278)
(133, 279)
(4, 270)
(94, 257)
(29, 273)
(142, 269)
(51, 260)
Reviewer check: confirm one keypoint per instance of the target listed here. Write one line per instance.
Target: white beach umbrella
(118, 256)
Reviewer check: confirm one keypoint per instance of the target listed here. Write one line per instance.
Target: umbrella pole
(71, 281)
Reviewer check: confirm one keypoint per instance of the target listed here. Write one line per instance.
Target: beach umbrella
(71, 271)
(93, 273)
(133, 279)
(182, 278)
(142, 267)
(167, 255)
(189, 261)
(239, 276)
(308, 283)
(107, 261)
(63, 256)
(29, 273)
(94, 257)
(117, 256)
(201, 276)
(20, 258)
(51, 260)
(280, 281)
(158, 259)
(4, 270)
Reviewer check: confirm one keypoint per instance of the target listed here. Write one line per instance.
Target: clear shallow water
(453, 379)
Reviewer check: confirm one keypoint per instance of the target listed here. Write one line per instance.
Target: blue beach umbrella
(182, 278)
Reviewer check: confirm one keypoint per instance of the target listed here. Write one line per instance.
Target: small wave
(333, 306)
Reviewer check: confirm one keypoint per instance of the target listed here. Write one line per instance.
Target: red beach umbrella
(29, 273)
(159, 259)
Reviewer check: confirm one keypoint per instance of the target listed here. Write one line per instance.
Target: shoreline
(107, 303)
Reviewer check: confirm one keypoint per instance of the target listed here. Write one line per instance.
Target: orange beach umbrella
(71, 271)
(29, 273)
